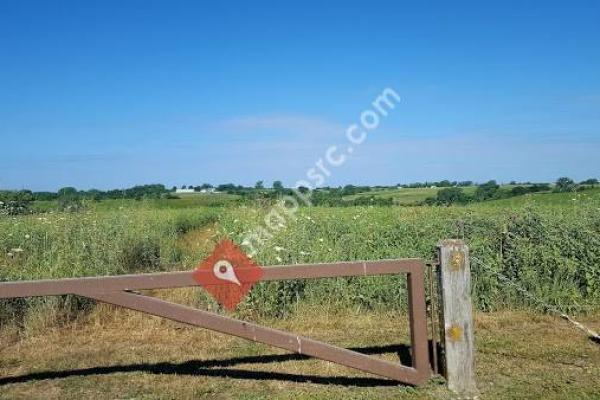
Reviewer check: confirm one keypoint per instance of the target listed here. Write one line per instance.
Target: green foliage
(550, 252)
(334, 197)
(486, 191)
(449, 196)
(140, 255)
(69, 201)
(64, 245)
(591, 182)
(278, 186)
(565, 184)
(15, 203)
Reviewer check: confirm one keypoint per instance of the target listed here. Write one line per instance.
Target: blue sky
(111, 94)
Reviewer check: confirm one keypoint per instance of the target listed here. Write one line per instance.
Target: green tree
(519, 190)
(565, 184)
(487, 190)
(69, 200)
(278, 186)
(259, 185)
(15, 203)
(591, 182)
(451, 195)
(67, 191)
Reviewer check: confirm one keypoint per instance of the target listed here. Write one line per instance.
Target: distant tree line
(71, 199)
(451, 192)
(491, 190)
(440, 184)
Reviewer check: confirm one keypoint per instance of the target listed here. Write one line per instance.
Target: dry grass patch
(520, 355)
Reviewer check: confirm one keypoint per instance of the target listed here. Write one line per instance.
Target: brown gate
(120, 291)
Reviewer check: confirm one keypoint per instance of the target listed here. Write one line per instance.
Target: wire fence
(595, 336)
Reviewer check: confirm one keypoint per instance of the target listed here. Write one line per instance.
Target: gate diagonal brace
(118, 290)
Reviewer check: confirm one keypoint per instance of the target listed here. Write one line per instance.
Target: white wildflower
(27, 236)
(278, 259)
(278, 249)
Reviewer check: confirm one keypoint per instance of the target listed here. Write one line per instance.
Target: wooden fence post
(458, 337)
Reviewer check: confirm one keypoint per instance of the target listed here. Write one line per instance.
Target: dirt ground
(118, 354)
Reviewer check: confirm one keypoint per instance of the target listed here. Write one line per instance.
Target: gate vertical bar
(418, 320)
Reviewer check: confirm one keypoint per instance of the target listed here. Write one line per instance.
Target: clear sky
(109, 94)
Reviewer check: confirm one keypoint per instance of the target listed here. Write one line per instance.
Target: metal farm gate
(123, 290)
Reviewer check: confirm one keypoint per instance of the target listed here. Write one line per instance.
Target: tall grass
(88, 244)
(552, 252)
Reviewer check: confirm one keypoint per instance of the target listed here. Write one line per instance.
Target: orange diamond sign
(228, 274)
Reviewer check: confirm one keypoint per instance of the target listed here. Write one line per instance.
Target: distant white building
(181, 191)
(209, 190)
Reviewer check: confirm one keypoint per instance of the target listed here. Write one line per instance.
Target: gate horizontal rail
(116, 290)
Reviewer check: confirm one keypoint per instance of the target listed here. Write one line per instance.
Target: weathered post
(459, 346)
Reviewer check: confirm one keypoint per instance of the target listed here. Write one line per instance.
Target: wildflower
(321, 240)
(278, 249)
(278, 259)
(27, 236)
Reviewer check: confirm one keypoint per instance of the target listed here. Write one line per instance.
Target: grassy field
(120, 355)
(400, 196)
(66, 348)
(572, 200)
(413, 196)
(183, 201)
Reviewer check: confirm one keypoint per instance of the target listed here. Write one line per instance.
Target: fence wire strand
(595, 336)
